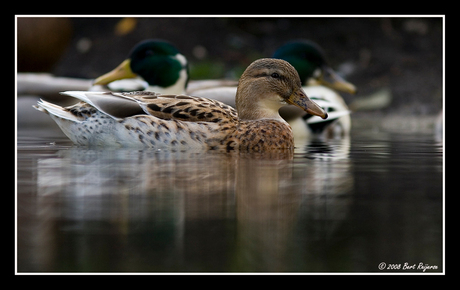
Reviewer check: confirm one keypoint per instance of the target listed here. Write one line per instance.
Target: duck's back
(143, 119)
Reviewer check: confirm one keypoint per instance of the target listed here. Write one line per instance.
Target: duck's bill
(123, 71)
(331, 116)
(300, 99)
(331, 79)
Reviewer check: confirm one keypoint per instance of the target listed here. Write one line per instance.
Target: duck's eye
(317, 73)
(149, 52)
(275, 75)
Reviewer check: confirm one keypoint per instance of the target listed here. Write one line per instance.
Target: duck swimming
(147, 119)
(156, 65)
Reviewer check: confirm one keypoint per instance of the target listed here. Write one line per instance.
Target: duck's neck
(177, 88)
(257, 108)
(258, 113)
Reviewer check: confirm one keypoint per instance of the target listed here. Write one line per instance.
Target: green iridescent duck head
(157, 62)
(309, 60)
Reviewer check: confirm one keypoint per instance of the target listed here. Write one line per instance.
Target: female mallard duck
(319, 81)
(146, 119)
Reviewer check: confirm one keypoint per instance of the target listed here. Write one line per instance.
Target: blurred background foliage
(403, 56)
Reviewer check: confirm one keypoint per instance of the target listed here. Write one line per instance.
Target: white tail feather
(55, 110)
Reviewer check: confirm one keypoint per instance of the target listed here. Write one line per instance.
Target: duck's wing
(116, 105)
(187, 108)
(167, 107)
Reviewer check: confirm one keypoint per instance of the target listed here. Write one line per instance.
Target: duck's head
(158, 62)
(268, 84)
(309, 60)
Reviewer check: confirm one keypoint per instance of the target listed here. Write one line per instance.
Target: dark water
(375, 199)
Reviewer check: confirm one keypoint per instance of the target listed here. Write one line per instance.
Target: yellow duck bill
(123, 71)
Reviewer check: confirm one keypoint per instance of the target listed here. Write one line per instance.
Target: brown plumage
(179, 121)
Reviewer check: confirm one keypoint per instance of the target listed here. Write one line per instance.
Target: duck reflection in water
(262, 209)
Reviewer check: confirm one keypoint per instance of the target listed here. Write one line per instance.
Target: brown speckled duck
(148, 119)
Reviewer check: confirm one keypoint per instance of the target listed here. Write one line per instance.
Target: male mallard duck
(310, 62)
(319, 81)
(158, 65)
(147, 119)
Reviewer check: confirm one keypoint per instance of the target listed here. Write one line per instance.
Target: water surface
(344, 205)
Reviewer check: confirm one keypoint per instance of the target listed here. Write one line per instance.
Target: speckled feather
(172, 121)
